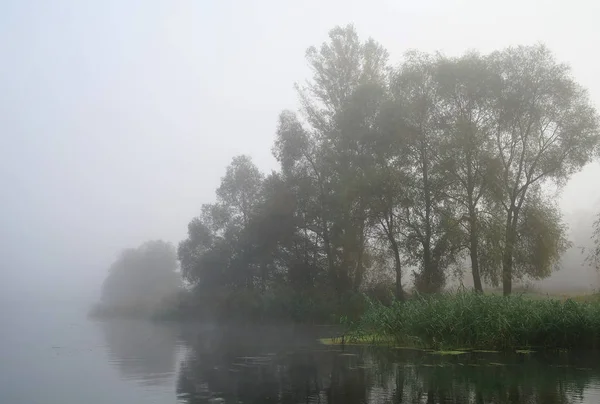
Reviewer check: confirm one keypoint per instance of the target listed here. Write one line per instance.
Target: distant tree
(594, 255)
(142, 277)
(547, 130)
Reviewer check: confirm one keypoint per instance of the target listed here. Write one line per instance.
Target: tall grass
(469, 320)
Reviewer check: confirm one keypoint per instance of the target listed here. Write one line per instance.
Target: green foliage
(541, 240)
(472, 320)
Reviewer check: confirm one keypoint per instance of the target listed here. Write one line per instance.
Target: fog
(117, 119)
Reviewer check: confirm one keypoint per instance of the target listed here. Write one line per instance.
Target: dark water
(53, 354)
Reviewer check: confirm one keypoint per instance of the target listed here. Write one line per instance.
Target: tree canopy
(385, 168)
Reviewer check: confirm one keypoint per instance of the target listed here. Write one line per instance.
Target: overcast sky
(118, 117)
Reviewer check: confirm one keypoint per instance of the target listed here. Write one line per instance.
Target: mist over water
(117, 122)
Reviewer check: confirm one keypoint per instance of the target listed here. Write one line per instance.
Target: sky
(118, 118)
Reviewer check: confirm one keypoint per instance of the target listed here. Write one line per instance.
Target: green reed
(470, 320)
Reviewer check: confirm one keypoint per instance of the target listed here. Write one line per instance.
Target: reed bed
(469, 320)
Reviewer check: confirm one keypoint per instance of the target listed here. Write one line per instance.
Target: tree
(240, 189)
(142, 277)
(429, 217)
(541, 238)
(338, 105)
(304, 168)
(385, 212)
(466, 87)
(547, 130)
(386, 178)
(204, 254)
(594, 255)
(215, 253)
(419, 165)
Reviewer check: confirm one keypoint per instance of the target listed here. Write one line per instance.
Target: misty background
(118, 118)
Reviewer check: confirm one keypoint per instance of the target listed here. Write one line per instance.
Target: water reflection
(289, 366)
(141, 350)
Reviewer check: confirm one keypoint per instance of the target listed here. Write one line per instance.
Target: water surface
(52, 353)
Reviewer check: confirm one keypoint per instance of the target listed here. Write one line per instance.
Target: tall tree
(337, 104)
(304, 168)
(429, 217)
(466, 87)
(386, 179)
(547, 130)
(386, 192)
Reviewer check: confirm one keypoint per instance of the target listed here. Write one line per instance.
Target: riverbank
(442, 322)
(275, 306)
(469, 320)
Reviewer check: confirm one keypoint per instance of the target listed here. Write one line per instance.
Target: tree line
(413, 167)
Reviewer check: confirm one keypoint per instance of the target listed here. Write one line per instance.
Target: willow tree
(466, 86)
(541, 239)
(547, 130)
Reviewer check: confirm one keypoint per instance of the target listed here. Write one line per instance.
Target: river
(51, 354)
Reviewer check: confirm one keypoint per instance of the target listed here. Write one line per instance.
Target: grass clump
(355, 339)
(452, 320)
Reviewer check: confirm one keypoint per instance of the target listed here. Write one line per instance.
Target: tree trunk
(474, 241)
(360, 267)
(507, 256)
(329, 253)
(475, 267)
(398, 267)
(399, 291)
(427, 275)
(426, 284)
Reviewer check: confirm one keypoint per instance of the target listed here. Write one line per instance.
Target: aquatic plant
(453, 320)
